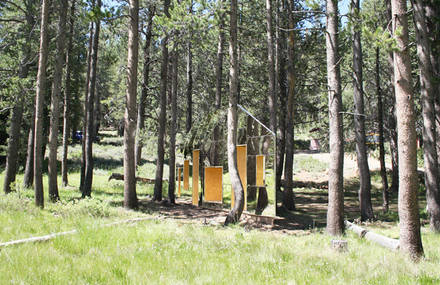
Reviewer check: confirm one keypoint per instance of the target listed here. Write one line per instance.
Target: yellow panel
(179, 173)
(242, 172)
(214, 184)
(186, 175)
(260, 170)
(195, 177)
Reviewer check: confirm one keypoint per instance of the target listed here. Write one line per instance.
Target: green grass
(166, 251)
(309, 164)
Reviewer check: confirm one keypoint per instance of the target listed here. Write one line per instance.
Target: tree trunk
(252, 150)
(39, 106)
(383, 169)
(55, 99)
(146, 77)
(366, 207)
(218, 88)
(281, 71)
(189, 88)
(173, 127)
(272, 104)
(392, 117)
(88, 175)
(433, 25)
(335, 211)
(13, 144)
(162, 113)
(130, 197)
(67, 95)
(410, 239)
(86, 105)
(234, 215)
(429, 135)
(28, 177)
(17, 110)
(288, 196)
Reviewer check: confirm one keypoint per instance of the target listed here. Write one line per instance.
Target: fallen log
(387, 242)
(118, 176)
(54, 235)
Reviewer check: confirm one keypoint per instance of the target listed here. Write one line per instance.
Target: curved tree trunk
(89, 136)
(130, 197)
(335, 210)
(429, 136)
(162, 113)
(410, 239)
(146, 77)
(67, 91)
(39, 106)
(234, 215)
(359, 120)
(55, 102)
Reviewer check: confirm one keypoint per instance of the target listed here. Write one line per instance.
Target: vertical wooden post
(195, 177)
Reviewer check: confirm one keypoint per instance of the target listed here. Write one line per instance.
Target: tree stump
(339, 245)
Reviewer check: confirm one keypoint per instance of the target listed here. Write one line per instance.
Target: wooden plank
(242, 172)
(260, 167)
(195, 177)
(213, 184)
(186, 175)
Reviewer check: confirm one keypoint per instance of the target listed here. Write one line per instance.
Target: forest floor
(181, 244)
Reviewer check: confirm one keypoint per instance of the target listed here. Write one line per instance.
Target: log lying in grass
(379, 239)
(118, 176)
(54, 235)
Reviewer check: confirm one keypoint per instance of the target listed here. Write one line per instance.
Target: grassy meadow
(161, 250)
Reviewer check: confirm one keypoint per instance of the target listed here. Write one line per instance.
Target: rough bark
(281, 74)
(288, 196)
(17, 110)
(162, 113)
(428, 113)
(55, 101)
(335, 210)
(67, 95)
(218, 88)
(28, 177)
(86, 105)
(410, 239)
(271, 96)
(383, 169)
(392, 115)
(366, 207)
(39, 106)
(144, 93)
(253, 142)
(88, 174)
(173, 128)
(234, 215)
(130, 197)
(189, 80)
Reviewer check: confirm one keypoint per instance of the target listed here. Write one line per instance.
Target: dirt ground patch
(310, 198)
